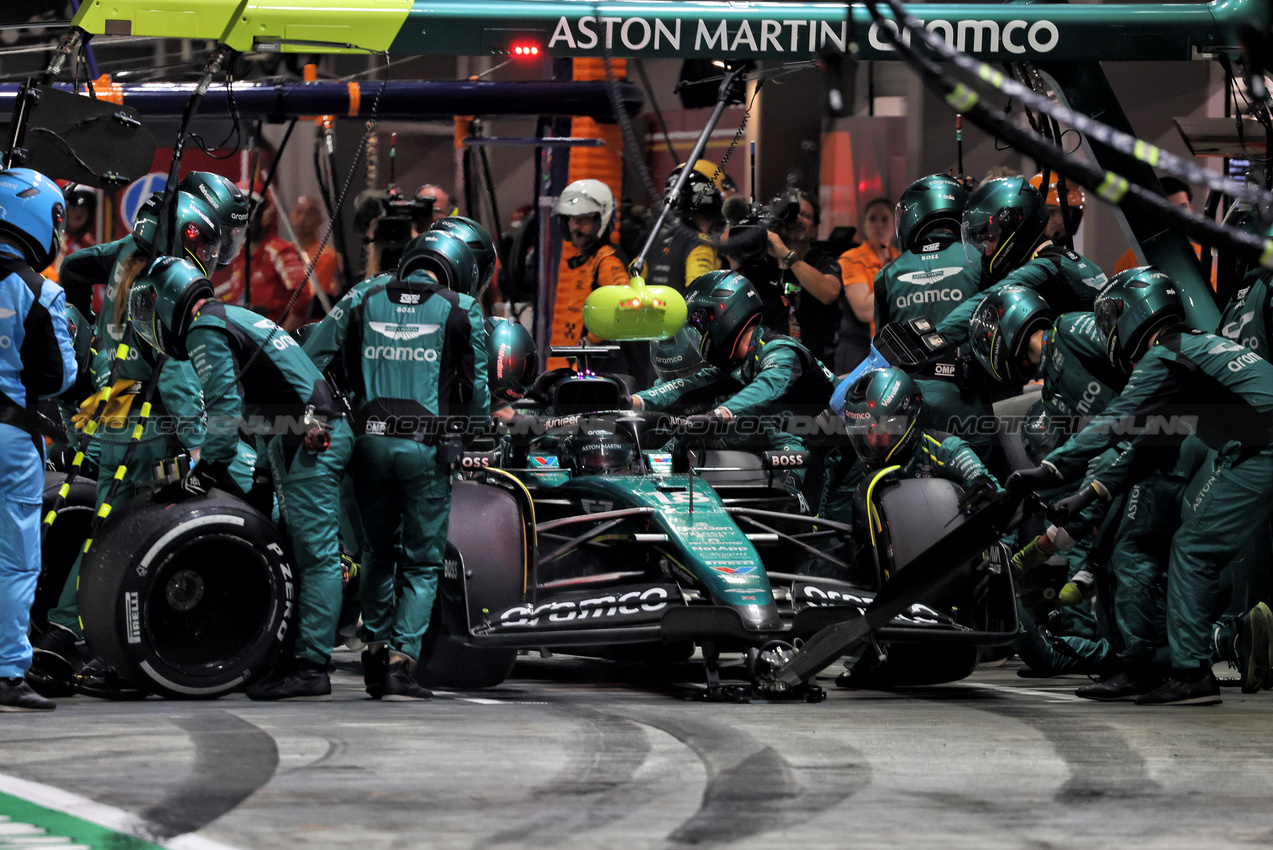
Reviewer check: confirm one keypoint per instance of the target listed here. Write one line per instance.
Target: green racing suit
(1187, 382)
(255, 376)
(415, 360)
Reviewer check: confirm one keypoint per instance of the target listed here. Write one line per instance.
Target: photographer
(799, 285)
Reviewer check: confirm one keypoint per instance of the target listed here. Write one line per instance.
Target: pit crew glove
(1077, 590)
(1033, 554)
(1071, 506)
(1028, 480)
(197, 482)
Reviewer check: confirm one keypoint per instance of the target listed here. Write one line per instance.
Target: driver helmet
(478, 240)
(511, 357)
(200, 235)
(228, 203)
(678, 356)
(1003, 222)
(160, 302)
(597, 451)
(1000, 331)
(32, 215)
(721, 315)
(586, 197)
(935, 202)
(446, 256)
(1131, 308)
(882, 410)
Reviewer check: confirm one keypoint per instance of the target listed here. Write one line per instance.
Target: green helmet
(200, 235)
(722, 314)
(511, 358)
(882, 409)
(1001, 327)
(678, 356)
(228, 203)
(160, 302)
(935, 202)
(446, 256)
(1004, 220)
(479, 241)
(1131, 308)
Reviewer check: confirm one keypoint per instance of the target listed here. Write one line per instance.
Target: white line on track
(1052, 696)
(98, 813)
(485, 700)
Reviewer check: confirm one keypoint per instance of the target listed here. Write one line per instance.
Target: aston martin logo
(394, 330)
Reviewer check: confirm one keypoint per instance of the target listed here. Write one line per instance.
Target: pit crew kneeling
(250, 368)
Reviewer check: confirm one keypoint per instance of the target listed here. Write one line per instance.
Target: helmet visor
(874, 439)
(199, 247)
(981, 234)
(700, 321)
(1107, 311)
(232, 239)
(144, 317)
(983, 333)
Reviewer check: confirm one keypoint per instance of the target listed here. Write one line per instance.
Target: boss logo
(786, 460)
(477, 460)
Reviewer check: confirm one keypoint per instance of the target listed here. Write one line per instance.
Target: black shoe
(57, 656)
(99, 679)
(375, 666)
(16, 695)
(307, 681)
(1180, 691)
(400, 686)
(1120, 686)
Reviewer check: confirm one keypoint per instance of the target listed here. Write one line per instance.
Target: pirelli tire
(916, 513)
(64, 540)
(189, 600)
(484, 569)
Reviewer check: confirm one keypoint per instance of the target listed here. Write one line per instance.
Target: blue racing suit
(37, 361)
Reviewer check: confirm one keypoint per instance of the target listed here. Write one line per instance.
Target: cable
(1111, 187)
(1121, 142)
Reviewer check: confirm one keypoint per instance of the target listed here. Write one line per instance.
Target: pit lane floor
(572, 753)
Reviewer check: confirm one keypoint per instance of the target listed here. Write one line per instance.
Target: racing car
(588, 538)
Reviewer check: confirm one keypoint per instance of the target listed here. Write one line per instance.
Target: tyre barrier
(189, 600)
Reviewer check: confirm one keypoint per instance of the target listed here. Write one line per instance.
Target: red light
(525, 50)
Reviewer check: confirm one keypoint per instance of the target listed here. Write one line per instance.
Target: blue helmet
(32, 214)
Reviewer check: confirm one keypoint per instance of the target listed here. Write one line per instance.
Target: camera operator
(388, 221)
(799, 284)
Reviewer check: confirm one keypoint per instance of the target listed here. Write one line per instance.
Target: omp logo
(946, 370)
(392, 352)
(929, 275)
(930, 296)
(409, 298)
(376, 428)
(402, 332)
(132, 616)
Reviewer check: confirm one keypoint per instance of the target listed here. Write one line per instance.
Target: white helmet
(587, 197)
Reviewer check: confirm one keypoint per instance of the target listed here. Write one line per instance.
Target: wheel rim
(208, 604)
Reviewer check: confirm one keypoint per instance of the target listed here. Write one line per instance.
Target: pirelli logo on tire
(132, 616)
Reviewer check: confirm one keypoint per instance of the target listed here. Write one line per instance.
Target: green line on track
(26, 825)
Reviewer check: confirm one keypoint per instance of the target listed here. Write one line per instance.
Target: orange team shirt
(1129, 261)
(326, 267)
(277, 269)
(861, 265)
(604, 268)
